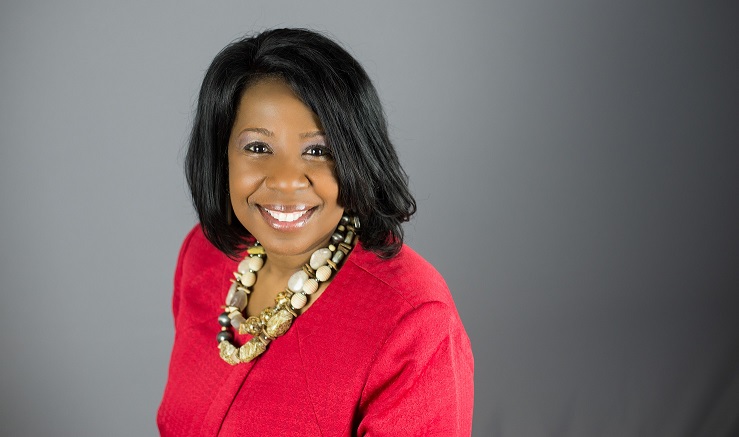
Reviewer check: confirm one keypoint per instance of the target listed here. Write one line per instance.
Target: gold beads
(278, 324)
(228, 353)
(251, 349)
(266, 314)
(252, 326)
(256, 250)
(283, 298)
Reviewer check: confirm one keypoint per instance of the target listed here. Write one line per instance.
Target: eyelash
(251, 147)
(324, 152)
(316, 150)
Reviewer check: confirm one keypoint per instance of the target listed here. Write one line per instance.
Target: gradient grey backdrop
(575, 165)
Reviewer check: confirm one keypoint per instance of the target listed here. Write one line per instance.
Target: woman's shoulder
(407, 276)
(197, 251)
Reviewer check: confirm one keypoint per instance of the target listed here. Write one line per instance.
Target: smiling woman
(329, 324)
(281, 173)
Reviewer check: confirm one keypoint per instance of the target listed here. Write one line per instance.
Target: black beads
(223, 320)
(337, 238)
(224, 336)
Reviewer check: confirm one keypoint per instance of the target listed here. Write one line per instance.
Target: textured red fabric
(382, 352)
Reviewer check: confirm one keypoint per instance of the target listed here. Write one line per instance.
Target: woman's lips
(286, 217)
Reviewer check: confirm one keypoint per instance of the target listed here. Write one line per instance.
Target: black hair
(372, 183)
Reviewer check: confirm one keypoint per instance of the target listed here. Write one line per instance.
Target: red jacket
(381, 352)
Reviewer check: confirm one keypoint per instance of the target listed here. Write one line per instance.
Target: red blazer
(381, 352)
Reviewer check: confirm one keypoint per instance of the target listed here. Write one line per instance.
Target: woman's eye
(257, 147)
(318, 151)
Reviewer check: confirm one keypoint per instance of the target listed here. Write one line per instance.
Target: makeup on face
(282, 182)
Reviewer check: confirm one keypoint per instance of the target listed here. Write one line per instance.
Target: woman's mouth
(286, 217)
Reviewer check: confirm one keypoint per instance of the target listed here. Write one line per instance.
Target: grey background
(575, 165)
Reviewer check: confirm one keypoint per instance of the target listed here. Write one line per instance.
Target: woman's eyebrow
(313, 134)
(259, 130)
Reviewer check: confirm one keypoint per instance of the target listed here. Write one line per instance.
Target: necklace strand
(274, 321)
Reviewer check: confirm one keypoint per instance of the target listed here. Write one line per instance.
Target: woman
(297, 308)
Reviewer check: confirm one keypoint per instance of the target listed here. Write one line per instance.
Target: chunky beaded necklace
(274, 321)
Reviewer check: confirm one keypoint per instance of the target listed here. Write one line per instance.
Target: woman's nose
(287, 175)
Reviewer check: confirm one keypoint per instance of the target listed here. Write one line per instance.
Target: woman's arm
(421, 380)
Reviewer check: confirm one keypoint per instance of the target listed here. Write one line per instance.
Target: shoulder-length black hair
(372, 183)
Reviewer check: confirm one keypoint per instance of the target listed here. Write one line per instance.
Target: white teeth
(286, 216)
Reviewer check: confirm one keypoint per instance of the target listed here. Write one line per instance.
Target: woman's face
(281, 173)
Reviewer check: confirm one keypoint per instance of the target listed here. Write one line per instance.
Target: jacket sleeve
(421, 379)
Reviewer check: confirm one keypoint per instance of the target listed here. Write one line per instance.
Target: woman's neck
(283, 265)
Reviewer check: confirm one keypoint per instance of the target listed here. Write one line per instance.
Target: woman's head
(329, 81)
